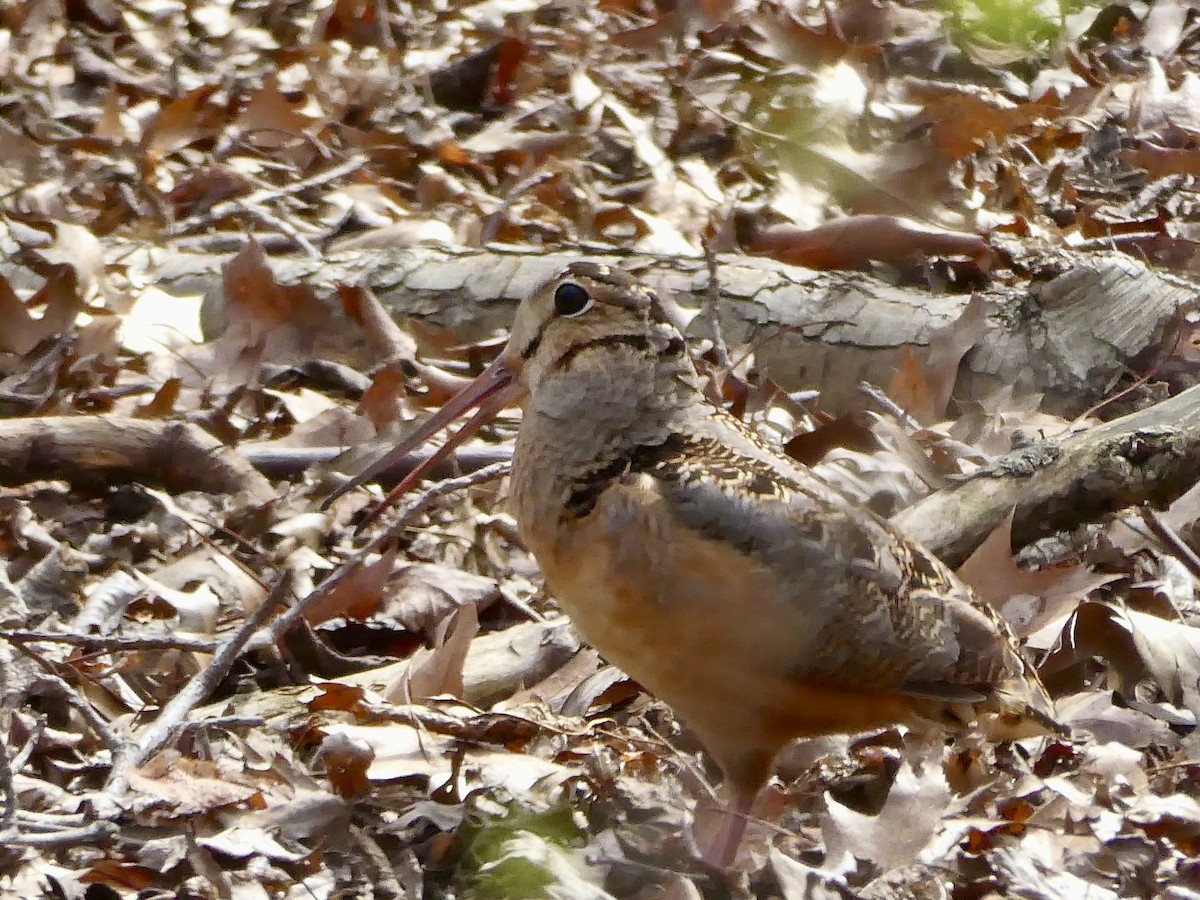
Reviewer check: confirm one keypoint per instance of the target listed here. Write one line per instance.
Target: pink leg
(722, 850)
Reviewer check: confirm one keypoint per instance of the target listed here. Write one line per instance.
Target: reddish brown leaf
(182, 122)
(358, 595)
(856, 242)
(381, 402)
(961, 123)
(910, 388)
(850, 431)
(510, 53)
(346, 764)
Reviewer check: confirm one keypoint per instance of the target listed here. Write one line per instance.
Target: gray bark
(1070, 336)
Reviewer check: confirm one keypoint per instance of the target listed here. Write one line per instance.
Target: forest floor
(212, 687)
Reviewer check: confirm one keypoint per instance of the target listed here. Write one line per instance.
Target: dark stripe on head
(637, 341)
(532, 346)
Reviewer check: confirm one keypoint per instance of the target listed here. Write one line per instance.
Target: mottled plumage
(728, 579)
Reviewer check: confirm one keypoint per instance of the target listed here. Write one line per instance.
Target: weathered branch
(1069, 335)
(93, 452)
(1152, 456)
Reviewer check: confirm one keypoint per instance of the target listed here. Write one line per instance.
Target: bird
(731, 582)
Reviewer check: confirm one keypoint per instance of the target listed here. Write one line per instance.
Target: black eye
(571, 300)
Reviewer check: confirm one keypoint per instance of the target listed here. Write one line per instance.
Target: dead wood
(1069, 334)
(277, 461)
(1150, 456)
(96, 452)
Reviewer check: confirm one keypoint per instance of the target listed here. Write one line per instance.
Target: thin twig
(1168, 536)
(731, 120)
(203, 683)
(1138, 383)
(383, 17)
(223, 722)
(266, 195)
(96, 833)
(259, 211)
(41, 821)
(111, 642)
(50, 679)
(6, 772)
(383, 878)
(435, 492)
(889, 405)
(281, 626)
(712, 309)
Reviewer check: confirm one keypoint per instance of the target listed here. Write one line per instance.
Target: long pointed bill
(495, 388)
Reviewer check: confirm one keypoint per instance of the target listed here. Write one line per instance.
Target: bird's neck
(583, 417)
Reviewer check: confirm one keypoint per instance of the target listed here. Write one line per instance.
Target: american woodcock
(731, 582)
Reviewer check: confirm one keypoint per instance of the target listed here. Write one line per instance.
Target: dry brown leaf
(383, 402)
(108, 126)
(254, 296)
(1170, 651)
(1137, 646)
(798, 881)
(910, 817)
(960, 123)
(910, 389)
(197, 609)
(266, 321)
(243, 843)
(346, 763)
(200, 189)
(1028, 600)
(271, 122)
(22, 332)
(385, 338)
(1161, 109)
(173, 785)
(438, 672)
(947, 347)
(855, 242)
(422, 596)
(359, 595)
(1095, 712)
(181, 122)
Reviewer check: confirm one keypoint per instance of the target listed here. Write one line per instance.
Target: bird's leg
(721, 850)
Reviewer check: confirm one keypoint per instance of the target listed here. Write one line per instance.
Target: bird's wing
(883, 613)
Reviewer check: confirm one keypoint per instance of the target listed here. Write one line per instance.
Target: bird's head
(587, 309)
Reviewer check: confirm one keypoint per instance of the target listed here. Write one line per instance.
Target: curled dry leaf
(22, 331)
(438, 672)
(383, 401)
(1138, 646)
(358, 595)
(267, 321)
(77, 247)
(244, 843)
(422, 596)
(197, 609)
(910, 817)
(1029, 600)
(385, 338)
(855, 242)
(181, 122)
(1095, 712)
(498, 664)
